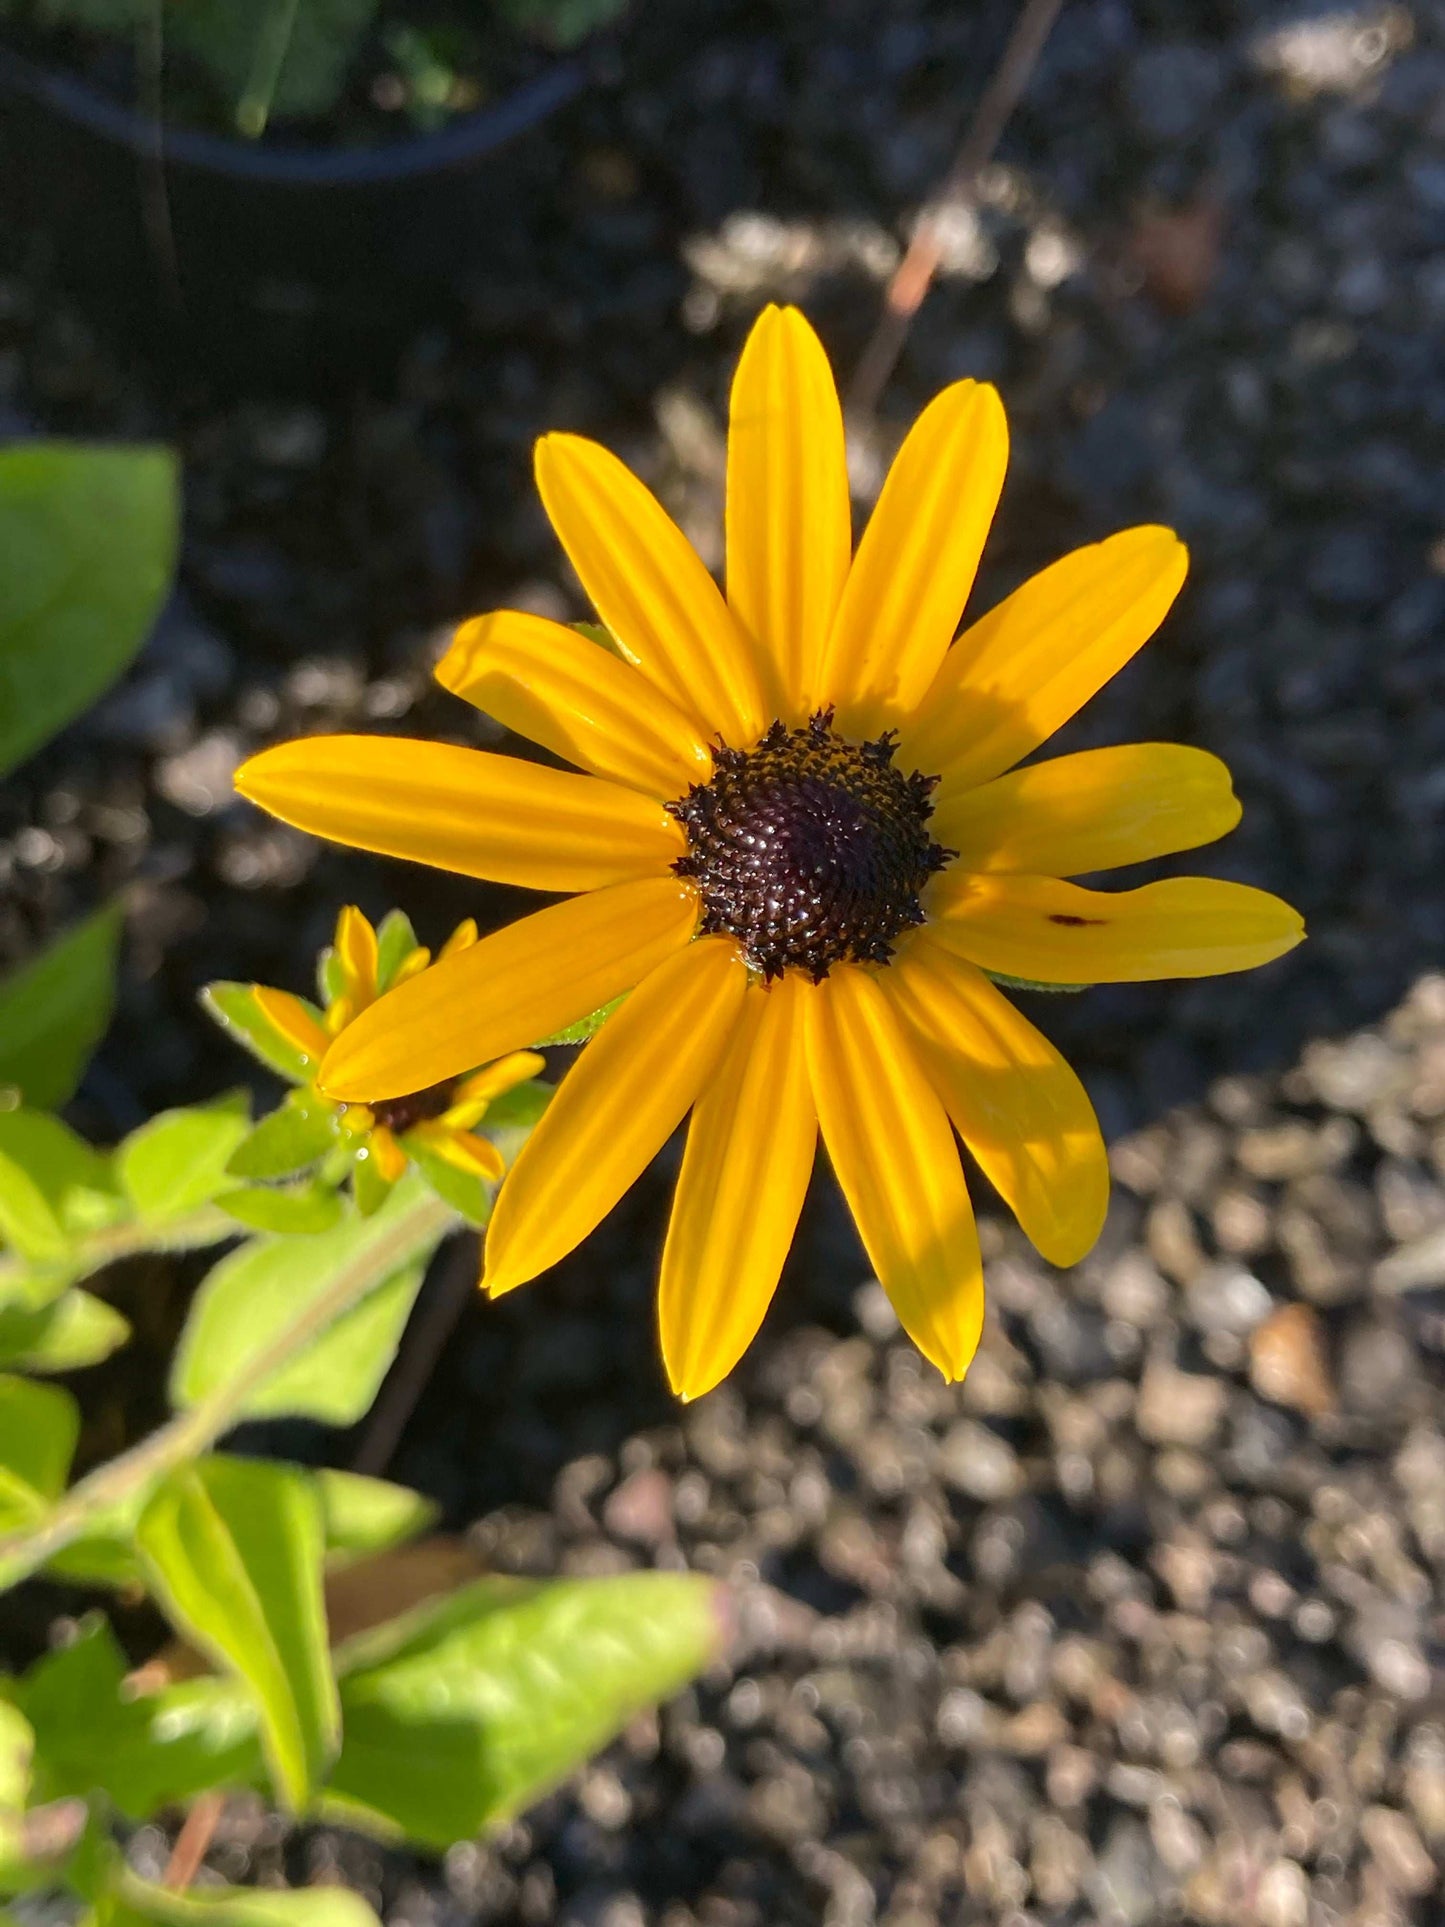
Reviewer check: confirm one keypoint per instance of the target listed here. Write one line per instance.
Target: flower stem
(193, 1432)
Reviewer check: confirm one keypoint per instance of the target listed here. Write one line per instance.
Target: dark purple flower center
(401, 1113)
(808, 849)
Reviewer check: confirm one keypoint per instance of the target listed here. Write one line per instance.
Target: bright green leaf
(234, 1008)
(369, 1515)
(50, 1183)
(584, 1028)
(17, 1748)
(55, 1009)
(141, 1903)
(177, 1161)
(75, 1331)
(461, 1712)
(256, 1294)
(92, 1735)
(369, 1186)
(39, 1425)
(294, 1208)
(395, 941)
(300, 1131)
(233, 1549)
(1028, 983)
(467, 1192)
(87, 552)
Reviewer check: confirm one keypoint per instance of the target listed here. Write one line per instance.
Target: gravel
(1146, 1621)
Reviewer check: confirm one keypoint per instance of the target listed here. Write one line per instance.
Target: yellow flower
(433, 1127)
(797, 846)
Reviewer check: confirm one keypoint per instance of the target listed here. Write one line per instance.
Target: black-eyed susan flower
(434, 1128)
(805, 848)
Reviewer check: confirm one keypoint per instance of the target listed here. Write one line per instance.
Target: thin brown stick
(914, 275)
(193, 1841)
(421, 1348)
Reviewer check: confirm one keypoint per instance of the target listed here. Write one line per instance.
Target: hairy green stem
(97, 1249)
(190, 1433)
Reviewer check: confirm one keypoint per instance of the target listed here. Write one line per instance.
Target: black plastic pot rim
(458, 146)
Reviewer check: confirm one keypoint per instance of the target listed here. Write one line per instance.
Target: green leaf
(517, 1109)
(295, 1208)
(17, 1748)
(39, 1425)
(395, 941)
(92, 1735)
(1028, 983)
(233, 1549)
(468, 1193)
(234, 1008)
(313, 62)
(584, 1028)
(141, 1903)
(297, 1134)
(369, 1515)
(178, 1160)
(55, 1010)
(52, 1185)
(458, 1714)
(87, 552)
(600, 634)
(258, 1292)
(368, 1186)
(75, 1331)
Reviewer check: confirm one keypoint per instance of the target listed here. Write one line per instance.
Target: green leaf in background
(235, 1009)
(145, 1752)
(584, 1028)
(52, 1185)
(141, 1903)
(55, 1009)
(296, 1208)
(75, 1331)
(233, 1550)
(301, 71)
(296, 1134)
(259, 1291)
(17, 1747)
(459, 1713)
(395, 941)
(87, 552)
(468, 1193)
(365, 1515)
(177, 1161)
(39, 1425)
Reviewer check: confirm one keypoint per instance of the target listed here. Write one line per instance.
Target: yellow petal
(649, 586)
(789, 526)
(386, 1153)
(1056, 933)
(294, 1021)
(461, 809)
(623, 1098)
(557, 688)
(411, 965)
(356, 954)
(462, 938)
(477, 1156)
(1013, 1100)
(744, 1175)
(893, 1149)
(492, 1080)
(1092, 811)
(916, 562)
(528, 981)
(1022, 671)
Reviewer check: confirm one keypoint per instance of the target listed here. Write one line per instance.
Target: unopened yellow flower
(798, 847)
(434, 1127)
